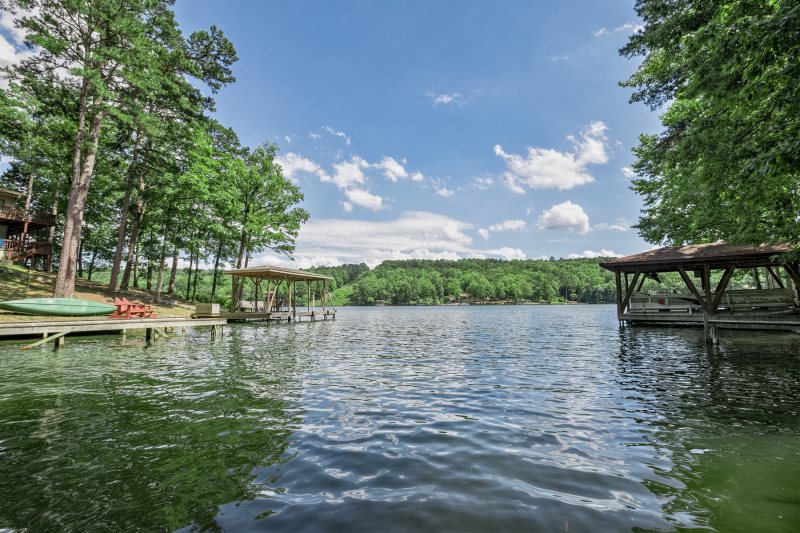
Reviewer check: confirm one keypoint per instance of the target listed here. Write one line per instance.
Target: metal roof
(273, 272)
(714, 255)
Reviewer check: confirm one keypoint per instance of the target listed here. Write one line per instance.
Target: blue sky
(440, 128)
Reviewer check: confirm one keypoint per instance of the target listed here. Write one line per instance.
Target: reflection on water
(461, 418)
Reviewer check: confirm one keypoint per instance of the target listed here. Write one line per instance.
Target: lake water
(516, 418)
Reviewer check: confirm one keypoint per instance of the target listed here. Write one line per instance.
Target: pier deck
(56, 330)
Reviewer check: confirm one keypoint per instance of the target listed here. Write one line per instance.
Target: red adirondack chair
(128, 309)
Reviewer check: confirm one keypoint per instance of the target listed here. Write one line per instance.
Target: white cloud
(546, 168)
(347, 206)
(414, 235)
(628, 172)
(628, 27)
(558, 59)
(417, 176)
(288, 139)
(314, 136)
(13, 50)
(620, 225)
(483, 183)
(509, 253)
(392, 169)
(364, 199)
(444, 191)
(337, 133)
(294, 164)
(348, 173)
(446, 99)
(565, 216)
(512, 184)
(508, 225)
(591, 254)
(483, 232)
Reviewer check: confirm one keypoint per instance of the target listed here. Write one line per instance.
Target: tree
(107, 53)
(727, 165)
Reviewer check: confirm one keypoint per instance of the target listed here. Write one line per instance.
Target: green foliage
(727, 165)
(482, 280)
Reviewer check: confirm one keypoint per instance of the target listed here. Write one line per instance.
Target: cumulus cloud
(446, 99)
(364, 198)
(628, 27)
(417, 176)
(509, 253)
(444, 192)
(565, 216)
(591, 254)
(347, 206)
(392, 169)
(294, 164)
(348, 173)
(337, 133)
(546, 168)
(413, 235)
(628, 172)
(12, 49)
(314, 136)
(483, 232)
(508, 225)
(620, 225)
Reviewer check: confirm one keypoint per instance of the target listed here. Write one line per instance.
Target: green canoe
(57, 307)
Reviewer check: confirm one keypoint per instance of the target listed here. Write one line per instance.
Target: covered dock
(706, 271)
(273, 293)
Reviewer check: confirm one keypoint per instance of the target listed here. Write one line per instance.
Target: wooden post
(793, 272)
(709, 327)
(233, 293)
(619, 296)
(148, 334)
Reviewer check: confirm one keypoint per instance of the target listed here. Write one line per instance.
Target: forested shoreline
(430, 282)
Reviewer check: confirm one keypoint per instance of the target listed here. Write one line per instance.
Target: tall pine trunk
(91, 265)
(123, 219)
(51, 237)
(161, 261)
(80, 258)
(194, 283)
(189, 278)
(173, 272)
(139, 207)
(216, 268)
(82, 169)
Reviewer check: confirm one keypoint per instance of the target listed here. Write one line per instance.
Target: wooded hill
(432, 282)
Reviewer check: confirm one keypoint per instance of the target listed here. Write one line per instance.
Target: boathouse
(706, 271)
(272, 293)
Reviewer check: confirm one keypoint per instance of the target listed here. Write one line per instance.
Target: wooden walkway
(56, 330)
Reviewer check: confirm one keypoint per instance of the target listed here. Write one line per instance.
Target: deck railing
(22, 215)
(23, 248)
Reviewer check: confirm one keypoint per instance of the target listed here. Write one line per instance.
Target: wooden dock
(710, 305)
(273, 295)
(55, 330)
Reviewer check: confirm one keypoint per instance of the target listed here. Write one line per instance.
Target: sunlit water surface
(516, 418)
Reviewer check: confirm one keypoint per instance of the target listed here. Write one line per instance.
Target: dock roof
(274, 272)
(714, 255)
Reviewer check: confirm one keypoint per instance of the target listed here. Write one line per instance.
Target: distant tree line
(481, 280)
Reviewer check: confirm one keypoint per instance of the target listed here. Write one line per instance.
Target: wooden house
(24, 234)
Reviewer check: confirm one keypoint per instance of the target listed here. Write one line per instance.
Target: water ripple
(404, 419)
